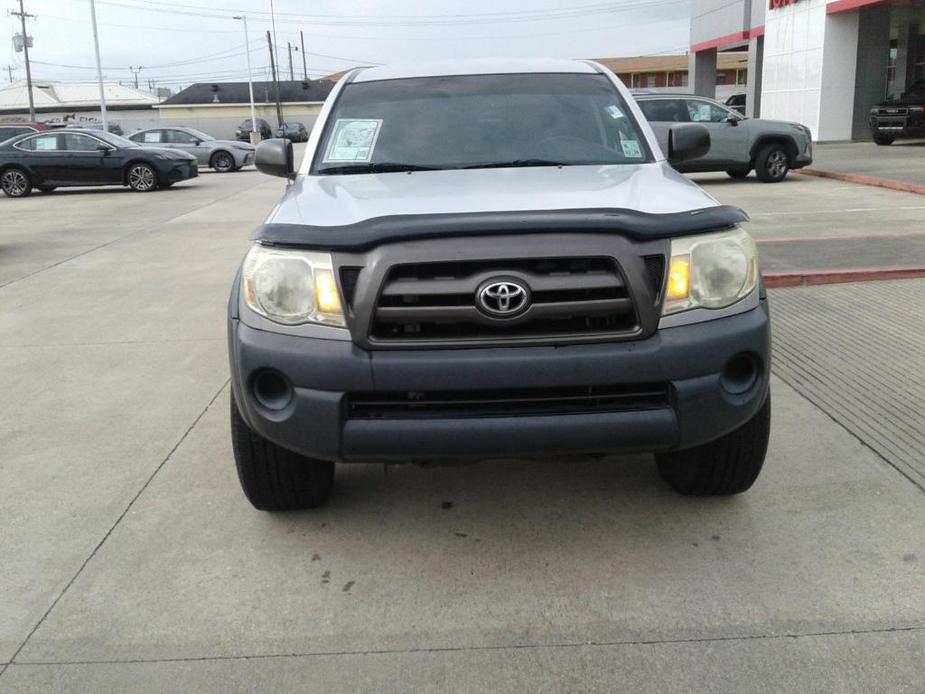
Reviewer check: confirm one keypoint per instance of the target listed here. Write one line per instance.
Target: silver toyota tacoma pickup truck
(494, 259)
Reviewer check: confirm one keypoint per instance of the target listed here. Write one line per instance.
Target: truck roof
(481, 66)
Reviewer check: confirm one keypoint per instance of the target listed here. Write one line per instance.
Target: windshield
(199, 135)
(115, 140)
(479, 121)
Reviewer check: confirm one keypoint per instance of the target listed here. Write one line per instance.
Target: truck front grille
(434, 302)
(507, 402)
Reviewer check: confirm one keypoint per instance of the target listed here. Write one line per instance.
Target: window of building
(891, 61)
(677, 79)
(918, 58)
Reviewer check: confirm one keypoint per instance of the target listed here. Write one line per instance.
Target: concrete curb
(866, 180)
(806, 278)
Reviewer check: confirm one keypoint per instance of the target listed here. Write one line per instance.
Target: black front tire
(772, 164)
(738, 174)
(729, 465)
(883, 140)
(15, 182)
(274, 478)
(222, 162)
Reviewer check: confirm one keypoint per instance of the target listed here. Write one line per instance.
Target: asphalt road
(132, 562)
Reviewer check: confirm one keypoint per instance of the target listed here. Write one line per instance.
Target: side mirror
(196, 143)
(732, 120)
(275, 157)
(103, 149)
(686, 142)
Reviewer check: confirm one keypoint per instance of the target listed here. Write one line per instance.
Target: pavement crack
(118, 520)
(475, 649)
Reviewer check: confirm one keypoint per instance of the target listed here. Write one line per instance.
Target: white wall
(810, 60)
(793, 53)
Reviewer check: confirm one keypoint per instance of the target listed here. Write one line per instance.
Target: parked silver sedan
(221, 155)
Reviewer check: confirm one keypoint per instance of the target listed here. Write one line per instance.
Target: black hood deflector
(640, 226)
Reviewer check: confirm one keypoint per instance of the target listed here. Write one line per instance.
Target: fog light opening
(740, 374)
(271, 389)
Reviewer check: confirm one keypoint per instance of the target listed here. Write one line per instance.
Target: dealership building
(823, 63)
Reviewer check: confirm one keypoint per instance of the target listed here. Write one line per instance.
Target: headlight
(710, 271)
(292, 287)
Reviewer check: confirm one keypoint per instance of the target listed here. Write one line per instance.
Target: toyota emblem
(503, 298)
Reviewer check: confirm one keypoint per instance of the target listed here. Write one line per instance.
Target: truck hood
(344, 200)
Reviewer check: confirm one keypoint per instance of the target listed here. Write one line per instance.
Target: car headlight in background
(710, 271)
(292, 287)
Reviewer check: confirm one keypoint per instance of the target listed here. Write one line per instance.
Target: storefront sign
(777, 4)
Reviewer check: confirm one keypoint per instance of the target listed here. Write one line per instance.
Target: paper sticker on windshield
(353, 139)
(614, 111)
(631, 149)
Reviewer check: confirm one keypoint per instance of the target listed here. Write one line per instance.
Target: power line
(400, 20)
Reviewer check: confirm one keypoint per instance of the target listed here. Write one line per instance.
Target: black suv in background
(902, 117)
(243, 133)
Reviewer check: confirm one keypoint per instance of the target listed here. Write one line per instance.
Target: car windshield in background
(115, 140)
(199, 135)
(479, 121)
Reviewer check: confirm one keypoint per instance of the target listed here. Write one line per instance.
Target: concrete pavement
(820, 230)
(132, 562)
(899, 163)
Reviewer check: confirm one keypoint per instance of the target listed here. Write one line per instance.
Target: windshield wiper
(374, 167)
(516, 163)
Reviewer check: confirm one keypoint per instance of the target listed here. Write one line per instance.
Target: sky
(176, 43)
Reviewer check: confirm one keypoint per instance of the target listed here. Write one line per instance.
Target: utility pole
(275, 41)
(99, 68)
(9, 69)
(250, 78)
(25, 46)
(135, 71)
(304, 64)
(290, 61)
(279, 107)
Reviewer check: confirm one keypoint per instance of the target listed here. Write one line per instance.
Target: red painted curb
(866, 181)
(808, 278)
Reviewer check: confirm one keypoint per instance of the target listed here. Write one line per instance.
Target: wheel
(222, 162)
(883, 140)
(141, 178)
(45, 189)
(738, 173)
(275, 478)
(729, 465)
(15, 183)
(772, 163)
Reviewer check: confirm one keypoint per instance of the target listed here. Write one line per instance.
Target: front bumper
(317, 422)
(243, 158)
(180, 170)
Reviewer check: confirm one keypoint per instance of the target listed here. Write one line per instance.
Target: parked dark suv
(903, 117)
(493, 260)
(243, 133)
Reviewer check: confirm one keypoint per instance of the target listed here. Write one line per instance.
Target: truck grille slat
(437, 301)
(507, 402)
